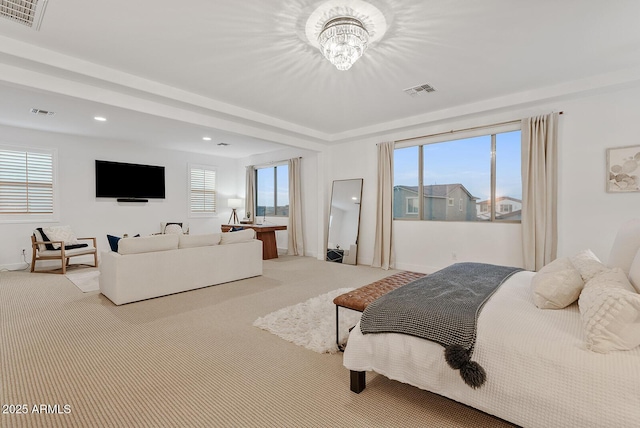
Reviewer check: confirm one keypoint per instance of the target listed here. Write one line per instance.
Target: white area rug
(85, 281)
(311, 324)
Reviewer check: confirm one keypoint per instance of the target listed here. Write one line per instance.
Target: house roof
(438, 190)
(502, 198)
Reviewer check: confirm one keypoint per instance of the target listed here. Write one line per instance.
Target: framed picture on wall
(623, 169)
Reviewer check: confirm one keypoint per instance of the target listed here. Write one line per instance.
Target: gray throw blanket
(442, 307)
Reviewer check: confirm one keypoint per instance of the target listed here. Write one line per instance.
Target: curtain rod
(473, 128)
(276, 161)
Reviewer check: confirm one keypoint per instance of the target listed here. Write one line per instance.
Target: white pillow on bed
(634, 272)
(557, 285)
(625, 246)
(610, 312)
(588, 264)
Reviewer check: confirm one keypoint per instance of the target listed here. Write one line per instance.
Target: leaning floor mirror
(344, 221)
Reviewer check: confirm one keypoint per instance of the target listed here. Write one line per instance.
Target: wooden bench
(360, 298)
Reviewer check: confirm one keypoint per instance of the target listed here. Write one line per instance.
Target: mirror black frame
(338, 254)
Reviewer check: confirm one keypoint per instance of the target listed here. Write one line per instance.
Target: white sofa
(158, 265)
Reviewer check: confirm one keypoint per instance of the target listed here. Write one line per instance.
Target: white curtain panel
(296, 238)
(383, 254)
(539, 190)
(250, 193)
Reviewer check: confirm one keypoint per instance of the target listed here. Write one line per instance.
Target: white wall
(89, 216)
(588, 216)
(356, 160)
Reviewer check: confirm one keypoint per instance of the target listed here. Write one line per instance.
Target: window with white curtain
(202, 190)
(272, 191)
(27, 184)
(475, 168)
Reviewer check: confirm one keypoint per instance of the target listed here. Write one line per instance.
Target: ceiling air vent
(421, 89)
(25, 12)
(223, 144)
(40, 112)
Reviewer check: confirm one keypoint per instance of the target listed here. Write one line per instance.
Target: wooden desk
(265, 233)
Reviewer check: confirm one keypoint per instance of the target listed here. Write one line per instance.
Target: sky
(466, 161)
(266, 183)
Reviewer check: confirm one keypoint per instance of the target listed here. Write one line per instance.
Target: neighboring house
(507, 208)
(451, 202)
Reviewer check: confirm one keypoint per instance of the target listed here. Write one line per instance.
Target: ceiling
(169, 73)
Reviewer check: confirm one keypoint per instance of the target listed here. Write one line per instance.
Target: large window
(202, 191)
(26, 184)
(481, 173)
(272, 191)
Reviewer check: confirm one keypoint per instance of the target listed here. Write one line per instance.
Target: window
(202, 191)
(412, 205)
(27, 184)
(477, 170)
(272, 191)
(506, 208)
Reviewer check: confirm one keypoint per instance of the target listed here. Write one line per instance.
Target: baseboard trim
(416, 268)
(23, 267)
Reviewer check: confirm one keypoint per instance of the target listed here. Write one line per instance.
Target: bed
(539, 370)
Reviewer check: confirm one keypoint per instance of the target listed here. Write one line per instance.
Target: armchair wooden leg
(65, 262)
(33, 261)
(95, 259)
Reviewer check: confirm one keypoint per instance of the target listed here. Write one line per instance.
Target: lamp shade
(235, 203)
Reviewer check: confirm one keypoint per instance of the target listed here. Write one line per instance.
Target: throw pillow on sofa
(148, 244)
(61, 233)
(239, 236)
(192, 241)
(113, 241)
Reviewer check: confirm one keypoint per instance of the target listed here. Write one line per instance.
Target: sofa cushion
(60, 233)
(190, 241)
(238, 236)
(148, 244)
(113, 242)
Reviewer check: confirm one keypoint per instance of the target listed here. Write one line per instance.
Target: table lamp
(234, 204)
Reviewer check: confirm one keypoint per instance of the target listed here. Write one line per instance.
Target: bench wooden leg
(358, 381)
(340, 347)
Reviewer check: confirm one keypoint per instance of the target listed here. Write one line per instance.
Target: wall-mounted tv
(128, 180)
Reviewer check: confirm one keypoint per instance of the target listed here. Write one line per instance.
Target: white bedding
(539, 372)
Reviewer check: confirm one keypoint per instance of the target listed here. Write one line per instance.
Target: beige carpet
(193, 359)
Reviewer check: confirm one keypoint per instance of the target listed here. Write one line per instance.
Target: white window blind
(26, 182)
(202, 190)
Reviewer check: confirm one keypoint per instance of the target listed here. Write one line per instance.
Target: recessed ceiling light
(206, 138)
(100, 118)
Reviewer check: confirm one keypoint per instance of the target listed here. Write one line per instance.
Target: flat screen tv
(128, 180)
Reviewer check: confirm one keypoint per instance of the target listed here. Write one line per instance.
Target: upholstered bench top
(360, 298)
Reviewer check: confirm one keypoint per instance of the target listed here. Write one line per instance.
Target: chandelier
(343, 40)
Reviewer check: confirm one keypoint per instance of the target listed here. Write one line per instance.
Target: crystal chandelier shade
(343, 40)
